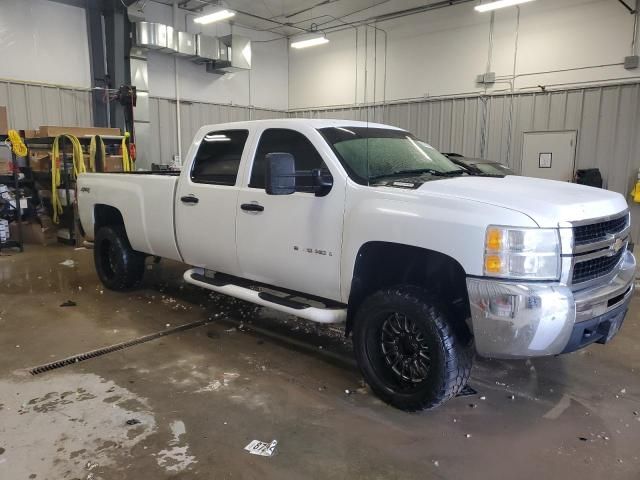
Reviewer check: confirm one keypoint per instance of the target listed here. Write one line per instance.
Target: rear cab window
(218, 158)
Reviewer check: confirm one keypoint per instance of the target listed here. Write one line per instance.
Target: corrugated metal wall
(29, 106)
(607, 119)
(193, 115)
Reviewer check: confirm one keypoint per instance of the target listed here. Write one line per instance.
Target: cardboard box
(54, 131)
(40, 160)
(6, 167)
(4, 121)
(31, 133)
(112, 163)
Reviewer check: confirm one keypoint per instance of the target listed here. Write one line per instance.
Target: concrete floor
(197, 397)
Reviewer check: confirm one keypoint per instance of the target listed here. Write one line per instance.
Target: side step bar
(195, 276)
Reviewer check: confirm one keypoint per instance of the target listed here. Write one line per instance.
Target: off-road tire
(450, 353)
(119, 266)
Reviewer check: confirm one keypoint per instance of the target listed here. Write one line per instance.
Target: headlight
(522, 253)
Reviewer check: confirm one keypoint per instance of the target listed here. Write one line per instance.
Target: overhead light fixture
(487, 7)
(216, 16)
(310, 40)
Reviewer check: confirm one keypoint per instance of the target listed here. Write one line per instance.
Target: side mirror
(280, 174)
(322, 183)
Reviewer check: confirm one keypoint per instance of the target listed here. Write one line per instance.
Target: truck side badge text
(312, 250)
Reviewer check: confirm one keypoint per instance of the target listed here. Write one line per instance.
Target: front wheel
(408, 350)
(119, 266)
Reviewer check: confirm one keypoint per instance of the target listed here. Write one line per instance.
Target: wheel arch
(107, 215)
(381, 264)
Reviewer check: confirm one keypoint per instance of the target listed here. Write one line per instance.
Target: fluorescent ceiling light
(486, 7)
(215, 16)
(312, 40)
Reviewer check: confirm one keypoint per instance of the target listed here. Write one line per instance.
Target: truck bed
(146, 202)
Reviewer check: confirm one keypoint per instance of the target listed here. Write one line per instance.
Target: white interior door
(549, 155)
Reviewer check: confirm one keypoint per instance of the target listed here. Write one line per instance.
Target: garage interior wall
(419, 72)
(193, 115)
(44, 67)
(261, 92)
(586, 87)
(440, 52)
(31, 105)
(41, 86)
(607, 119)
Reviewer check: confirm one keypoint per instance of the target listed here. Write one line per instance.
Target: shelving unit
(16, 182)
(68, 218)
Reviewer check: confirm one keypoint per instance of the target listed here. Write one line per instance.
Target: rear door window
(218, 159)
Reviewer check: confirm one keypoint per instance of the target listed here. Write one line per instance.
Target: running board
(195, 276)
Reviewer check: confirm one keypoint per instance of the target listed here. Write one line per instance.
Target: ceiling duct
(221, 55)
(238, 56)
(186, 43)
(135, 13)
(155, 36)
(210, 49)
(169, 38)
(141, 118)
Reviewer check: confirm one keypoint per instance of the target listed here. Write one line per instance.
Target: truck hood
(547, 202)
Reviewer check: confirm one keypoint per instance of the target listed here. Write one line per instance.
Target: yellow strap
(17, 145)
(78, 168)
(127, 165)
(92, 154)
(636, 192)
(93, 149)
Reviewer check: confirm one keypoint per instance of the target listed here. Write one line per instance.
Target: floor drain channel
(113, 348)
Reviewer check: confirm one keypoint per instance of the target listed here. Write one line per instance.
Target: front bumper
(531, 319)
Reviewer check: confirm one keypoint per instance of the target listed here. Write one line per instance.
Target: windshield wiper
(418, 171)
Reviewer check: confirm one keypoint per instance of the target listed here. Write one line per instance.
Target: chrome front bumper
(528, 319)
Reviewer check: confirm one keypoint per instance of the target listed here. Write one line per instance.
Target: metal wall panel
(29, 105)
(607, 119)
(193, 115)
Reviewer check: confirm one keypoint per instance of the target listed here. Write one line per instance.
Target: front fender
(452, 226)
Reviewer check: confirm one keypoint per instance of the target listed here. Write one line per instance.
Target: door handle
(252, 207)
(189, 199)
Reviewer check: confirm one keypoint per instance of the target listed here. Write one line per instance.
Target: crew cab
(342, 221)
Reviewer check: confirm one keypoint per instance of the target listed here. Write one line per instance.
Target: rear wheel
(408, 349)
(119, 266)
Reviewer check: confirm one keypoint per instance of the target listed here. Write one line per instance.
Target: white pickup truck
(343, 221)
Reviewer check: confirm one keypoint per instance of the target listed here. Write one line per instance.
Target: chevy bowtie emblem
(617, 245)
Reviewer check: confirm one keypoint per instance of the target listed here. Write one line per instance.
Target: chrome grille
(596, 267)
(597, 247)
(594, 232)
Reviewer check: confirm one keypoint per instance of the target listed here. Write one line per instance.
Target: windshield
(370, 154)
